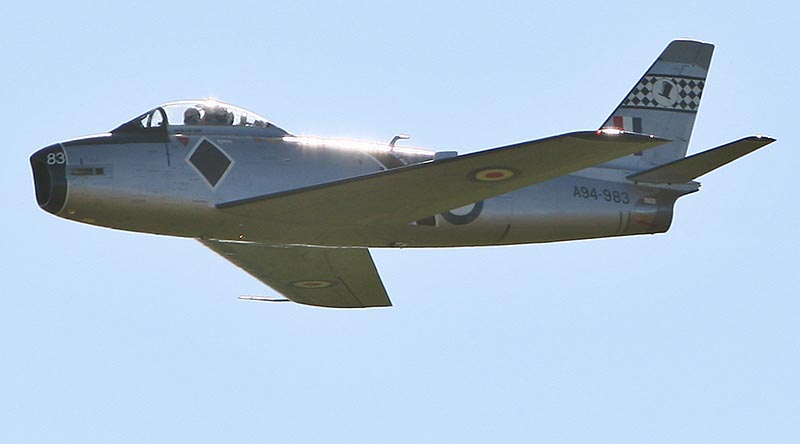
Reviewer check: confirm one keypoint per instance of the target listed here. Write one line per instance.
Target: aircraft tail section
(664, 103)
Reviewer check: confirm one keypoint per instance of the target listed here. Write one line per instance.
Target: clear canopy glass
(210, 114)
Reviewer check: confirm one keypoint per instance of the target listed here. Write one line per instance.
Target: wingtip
(763, 138)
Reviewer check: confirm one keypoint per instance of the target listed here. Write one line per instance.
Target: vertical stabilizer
(664, 102)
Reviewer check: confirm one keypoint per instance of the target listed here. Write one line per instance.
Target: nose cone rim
(50, 178)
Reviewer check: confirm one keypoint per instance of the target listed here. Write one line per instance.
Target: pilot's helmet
(218, 115)
(191, 116)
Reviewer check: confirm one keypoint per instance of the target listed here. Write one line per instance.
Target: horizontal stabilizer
(692, 167)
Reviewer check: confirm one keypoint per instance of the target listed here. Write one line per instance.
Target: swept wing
(325, 277)
(411, 193)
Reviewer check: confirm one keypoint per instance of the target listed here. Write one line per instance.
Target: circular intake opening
(42, 182)
(50, 178)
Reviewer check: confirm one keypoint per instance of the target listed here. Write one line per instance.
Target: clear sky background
(687, 337)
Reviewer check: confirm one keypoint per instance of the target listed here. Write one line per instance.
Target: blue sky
(692, 336)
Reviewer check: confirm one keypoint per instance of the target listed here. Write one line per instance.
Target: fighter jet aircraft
(300, 213)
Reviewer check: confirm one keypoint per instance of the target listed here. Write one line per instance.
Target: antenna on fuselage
(398, 137)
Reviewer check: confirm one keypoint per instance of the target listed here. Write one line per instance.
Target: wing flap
(692, 167)
(323, 277)
(411, 193)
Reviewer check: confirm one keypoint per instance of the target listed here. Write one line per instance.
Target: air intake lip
(50, 178)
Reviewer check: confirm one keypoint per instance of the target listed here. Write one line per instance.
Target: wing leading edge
(324, 277)
(411, 193)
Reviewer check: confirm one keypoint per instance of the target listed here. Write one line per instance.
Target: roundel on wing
(493, 174)
(312, 284)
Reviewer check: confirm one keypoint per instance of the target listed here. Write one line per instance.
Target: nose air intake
(50, 178)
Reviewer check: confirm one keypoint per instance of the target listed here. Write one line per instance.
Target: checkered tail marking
(666, 92)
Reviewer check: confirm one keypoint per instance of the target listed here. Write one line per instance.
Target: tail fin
(664, 103)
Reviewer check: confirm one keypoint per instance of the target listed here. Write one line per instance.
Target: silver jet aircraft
(299, 213)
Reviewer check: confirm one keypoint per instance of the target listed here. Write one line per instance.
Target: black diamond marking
(210, 161)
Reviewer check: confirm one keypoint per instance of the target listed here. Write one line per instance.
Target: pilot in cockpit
(218, 116)
(191, 116)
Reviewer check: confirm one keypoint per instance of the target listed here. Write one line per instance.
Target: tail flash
(665, 102)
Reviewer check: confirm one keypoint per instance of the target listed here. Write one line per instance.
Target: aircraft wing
(325, 277)
(414, 192)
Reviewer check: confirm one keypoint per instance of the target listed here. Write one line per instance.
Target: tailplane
(692, 167)
(664, 103)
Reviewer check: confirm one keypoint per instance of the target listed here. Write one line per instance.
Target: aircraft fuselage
(300, 213)
(172, 186)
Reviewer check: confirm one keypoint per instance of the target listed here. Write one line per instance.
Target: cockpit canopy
(199, 116)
